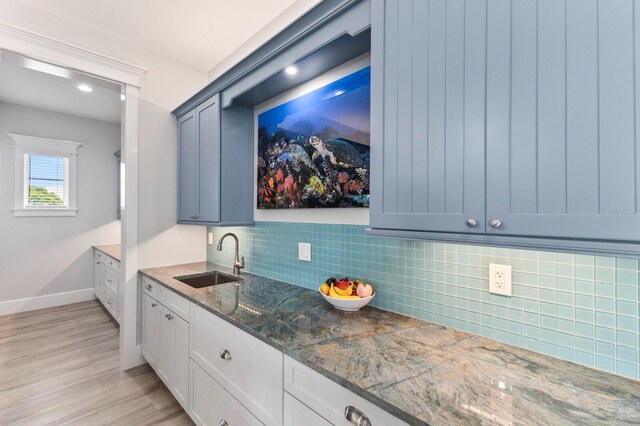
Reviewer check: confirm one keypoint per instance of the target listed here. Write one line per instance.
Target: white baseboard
(45, 301)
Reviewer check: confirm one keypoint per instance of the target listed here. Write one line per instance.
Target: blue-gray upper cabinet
(562, 116)
(199, 163)
(187, 166)
(428, 115)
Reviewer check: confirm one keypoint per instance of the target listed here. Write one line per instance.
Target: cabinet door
(96, 278)
(187, 167)
(562, 112)
(165, 346)
(180, 382)
(208, 136)
(298, 414)
(427, 122)
(150, 329)
(102, 273)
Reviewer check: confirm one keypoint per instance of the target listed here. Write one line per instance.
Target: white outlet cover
(304, 251)
(500, 279)
(210, 237)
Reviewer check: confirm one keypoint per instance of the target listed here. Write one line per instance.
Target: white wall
(262, 35)
(166, 85)
(47, 255)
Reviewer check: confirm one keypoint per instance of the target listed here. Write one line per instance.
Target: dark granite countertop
(112, 250)
(421, 372)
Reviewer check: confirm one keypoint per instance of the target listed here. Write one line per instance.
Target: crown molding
(47, 49)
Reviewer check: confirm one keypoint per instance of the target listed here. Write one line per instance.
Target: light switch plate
(500, 279)
(304, 252)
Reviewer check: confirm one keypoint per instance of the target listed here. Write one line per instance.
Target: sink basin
(207, 279)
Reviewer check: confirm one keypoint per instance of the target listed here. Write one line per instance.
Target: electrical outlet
(210, 238)
(500, 279)
(304, 251)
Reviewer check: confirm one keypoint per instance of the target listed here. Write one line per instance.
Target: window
(45, 176)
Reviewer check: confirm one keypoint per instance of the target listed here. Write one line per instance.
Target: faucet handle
(242, 261)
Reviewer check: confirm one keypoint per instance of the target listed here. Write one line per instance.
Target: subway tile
(605, 262)
(585, 358)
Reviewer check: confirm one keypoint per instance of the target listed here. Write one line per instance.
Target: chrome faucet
(237, 263)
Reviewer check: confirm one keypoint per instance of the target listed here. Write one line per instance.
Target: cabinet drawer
(210, 404)
(111, 263)
(112, 280)
(251, 371)
(298, 414)
(321, 395)
(111, 302)
(174, 302)
(150, 287)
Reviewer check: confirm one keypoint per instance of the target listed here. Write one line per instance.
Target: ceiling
(198, 33)
(33, 83)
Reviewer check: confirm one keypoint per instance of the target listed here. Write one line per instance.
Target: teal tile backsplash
(579, 308)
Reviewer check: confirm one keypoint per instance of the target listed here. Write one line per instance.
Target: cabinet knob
(472, 223)
(223, 422)
(109, 302)
(153, 305)
(97, 263)
(356, 417)
(225, 354)
(148, 286)
(169, 317)
(109, 279)
(495, 223)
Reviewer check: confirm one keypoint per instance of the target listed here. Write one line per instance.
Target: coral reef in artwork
(313, 151)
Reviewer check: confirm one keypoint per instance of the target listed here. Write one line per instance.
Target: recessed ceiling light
(122, 97)
(291, 70)
(85, 88)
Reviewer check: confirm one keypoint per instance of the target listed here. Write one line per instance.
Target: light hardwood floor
(60, 366)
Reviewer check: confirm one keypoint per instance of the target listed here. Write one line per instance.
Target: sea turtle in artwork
(298, 157)
(339, 151)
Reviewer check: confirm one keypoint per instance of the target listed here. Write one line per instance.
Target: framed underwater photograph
(313, 150)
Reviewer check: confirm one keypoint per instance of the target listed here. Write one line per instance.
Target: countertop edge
(108, 249)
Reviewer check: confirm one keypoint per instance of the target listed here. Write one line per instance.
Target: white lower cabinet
(106, 282)
(150, 330)
(173, 355)
(165, 346)
(298, 414)
(211, 405)
(336, 404)
(246, 367)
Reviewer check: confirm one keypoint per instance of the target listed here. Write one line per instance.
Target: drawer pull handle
(153, 305)
(223, 422)
(225, 354)
(356, 417)
(149, 287)
(169, 317)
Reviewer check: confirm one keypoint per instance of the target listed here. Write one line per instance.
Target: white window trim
(23, 144)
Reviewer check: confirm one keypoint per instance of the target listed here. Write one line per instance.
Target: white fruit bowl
(349, 305)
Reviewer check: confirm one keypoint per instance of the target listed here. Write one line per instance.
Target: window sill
(44, 212)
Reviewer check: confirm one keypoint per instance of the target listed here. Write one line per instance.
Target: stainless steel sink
(207, 279)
